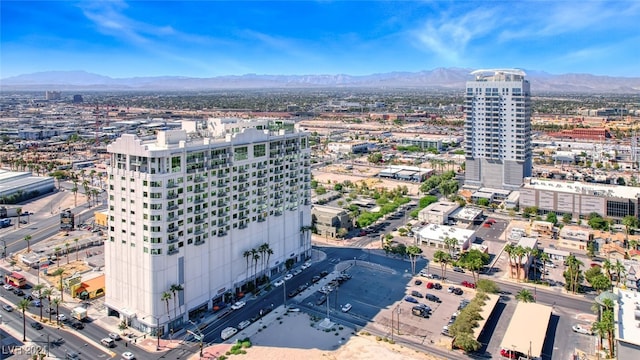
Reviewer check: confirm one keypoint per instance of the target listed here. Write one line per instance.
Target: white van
(108, 342)
(228, 332)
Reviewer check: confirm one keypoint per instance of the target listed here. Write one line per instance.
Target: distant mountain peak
(438, 78)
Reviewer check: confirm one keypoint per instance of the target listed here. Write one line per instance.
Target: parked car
(114, 336)
(244, 324)
(416, 294)
(278, 283)
(458, 269)
(437, 286)
(346, 308)
(458, 291)
(430, 285)
(288, 277)
(510, 354)
(417, 282)
(321, 299)
(238, 305)
(306, 265)
(228, 332)
(315, 279)
(18, 292)
(433, 298)
(581, 329)
(7, 287)
(410, 299)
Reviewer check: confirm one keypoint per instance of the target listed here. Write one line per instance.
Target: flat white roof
(441, 207)
(440, 232)
(628, 316)
(468, 213)
(576, 187)
(527, 329)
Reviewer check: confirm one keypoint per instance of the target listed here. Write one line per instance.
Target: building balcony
(198, 190)
(172, 207)
(198, 242)
(172, 240)
(199, 221)
(171, 230)
(171, 185)
(172, 196)
(173, 251)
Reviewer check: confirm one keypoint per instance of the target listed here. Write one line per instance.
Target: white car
(228, 332)
(305, 265)
(62, 317)
(278, 283)
(346, 308)
(128, 355)
(581, 330)
(244, 324)
(288, 277)
(7, 287)
(238, 305)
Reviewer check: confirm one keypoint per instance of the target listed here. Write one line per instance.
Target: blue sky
(212, 38)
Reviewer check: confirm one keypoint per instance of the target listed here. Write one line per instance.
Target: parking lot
(377, 295)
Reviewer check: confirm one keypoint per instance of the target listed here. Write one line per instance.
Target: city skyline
(211, 38)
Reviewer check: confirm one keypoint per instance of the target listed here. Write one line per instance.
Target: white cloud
(449, 36)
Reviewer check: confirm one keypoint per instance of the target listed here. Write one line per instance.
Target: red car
(429, 285)
(487, 225)
(491, 221)
(510, 354)
(468, 284)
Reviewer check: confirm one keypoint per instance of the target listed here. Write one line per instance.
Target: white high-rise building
(497, 129)
(187, 208)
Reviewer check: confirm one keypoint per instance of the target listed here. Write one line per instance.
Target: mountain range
(436, 79)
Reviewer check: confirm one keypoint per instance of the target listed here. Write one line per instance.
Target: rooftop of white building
(440, 232)
(576, 187)
(468, 213)
(628, 316)
(441, 207)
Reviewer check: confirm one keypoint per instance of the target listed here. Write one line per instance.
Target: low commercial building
(406, 173)
(526, 261)
(434, 235)
(574, 237)
(438, 213)
(539, 227)
(513, 200)
(468, 215)
(527, 330)
(580, 199)
(626, 314)
(328, 220)
(351, 147)
(17, 187)
(423, 142)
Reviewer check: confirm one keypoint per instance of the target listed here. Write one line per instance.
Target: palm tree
(19, 212)
(256, 257)
(606, 325)
(608, 269)
(87, 192)
(166, 296)
(574, 271)
(519, 252)
(27, 238)
(413, 251)
(175, 288)
(56, 301)
(74, 190)
(247, 254)
(443, 258)
(269, 253)
(450, 244)
(46, 294)
(544, 257)
(37, 288)
(76, 241)
(262, 249)
(66, 249)
(510, 250)
(56, 251)
(620, 271)
(24, 305)
(535, 253)
(59, 272)
(524, 295)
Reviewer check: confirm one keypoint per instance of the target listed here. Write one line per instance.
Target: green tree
(600, 283)
(375, 157)
(56, 301)
(414, 252)
(630, 222)
(473, 260)
(175, 289)
(23, 306)
(27, 239)
(467, 342)
(488, 286)
(605, 327)
(483, 202)
(566, 218)
(524, 295)
(544, 258)
(552, 218)
(166, 296)
(443, 259)
(37, 289)
(46, 294)
(450, 244)
(509, 249)
(59, 272)
(620, 271)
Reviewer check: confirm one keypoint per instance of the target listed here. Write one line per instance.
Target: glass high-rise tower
(497, 129)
